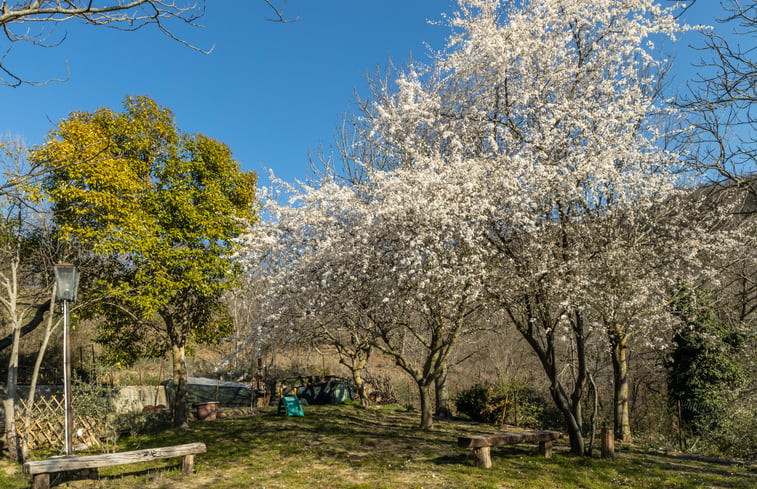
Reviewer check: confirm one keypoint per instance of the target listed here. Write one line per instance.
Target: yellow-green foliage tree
(159, 208)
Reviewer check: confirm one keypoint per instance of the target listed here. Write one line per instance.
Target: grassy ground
(347, 447)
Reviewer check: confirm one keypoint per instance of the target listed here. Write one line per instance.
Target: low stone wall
(133, 398)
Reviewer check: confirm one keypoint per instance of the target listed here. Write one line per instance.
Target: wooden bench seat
(481, 444)
(41, 469)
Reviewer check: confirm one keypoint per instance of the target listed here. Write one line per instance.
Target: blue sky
(270, 91)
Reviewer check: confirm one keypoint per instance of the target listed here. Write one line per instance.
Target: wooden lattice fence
(47, 429)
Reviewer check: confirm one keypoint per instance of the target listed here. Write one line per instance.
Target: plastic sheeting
(200, 389)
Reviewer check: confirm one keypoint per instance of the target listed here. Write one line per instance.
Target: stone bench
(41, 469)
(481, 444)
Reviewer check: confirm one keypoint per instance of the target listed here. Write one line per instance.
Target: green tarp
(330, 392)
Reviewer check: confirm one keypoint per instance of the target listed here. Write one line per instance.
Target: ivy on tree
(704, 364)
(159, 208)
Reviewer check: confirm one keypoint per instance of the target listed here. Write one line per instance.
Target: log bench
(41, 469)
(481, 444)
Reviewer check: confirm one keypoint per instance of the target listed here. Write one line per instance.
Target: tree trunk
(546, 356)
(574, 427)
(10, 304)
(443, 409)
(180, 409)
(25, 452)
(594, 413)
(427, 418)
(577, 395)
(30, 325)
(357, 378)
(11, 394)
(621, 400)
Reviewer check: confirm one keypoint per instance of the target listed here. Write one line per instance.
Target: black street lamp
(66, 285)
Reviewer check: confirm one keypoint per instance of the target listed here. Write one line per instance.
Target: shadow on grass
(462, 459)
(694, 468)
(59, 478)
(346, 427)
(346, 447)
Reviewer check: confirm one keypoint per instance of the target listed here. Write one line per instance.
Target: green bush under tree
(508, 401)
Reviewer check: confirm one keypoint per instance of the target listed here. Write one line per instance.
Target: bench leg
(41, 481)
(187, 464)
(483, 457)
(545, 448)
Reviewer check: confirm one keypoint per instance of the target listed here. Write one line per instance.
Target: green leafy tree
(159, 208)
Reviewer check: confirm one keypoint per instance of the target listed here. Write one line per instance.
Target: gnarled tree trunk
(621, 398)
(357, 378)
(354, 356)
(441, 389)
(542, 341)
(427, 418)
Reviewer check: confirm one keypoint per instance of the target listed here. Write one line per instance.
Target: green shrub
(735, 434)
(472, 402)
(509, 401)
(93, 400)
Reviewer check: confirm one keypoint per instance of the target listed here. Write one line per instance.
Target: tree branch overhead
(34, 22)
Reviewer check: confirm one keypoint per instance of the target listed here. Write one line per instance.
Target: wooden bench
(41, 469)
(481, 444)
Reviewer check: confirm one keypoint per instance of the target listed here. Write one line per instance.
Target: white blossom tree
(522, 171)
(308, 288)
(435, 277)
(552, 107)
(385, 260)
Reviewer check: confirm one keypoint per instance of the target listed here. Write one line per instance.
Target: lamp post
(66, 283)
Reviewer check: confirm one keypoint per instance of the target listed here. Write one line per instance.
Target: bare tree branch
(721, 101)
(279, 12)
(35, 21)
